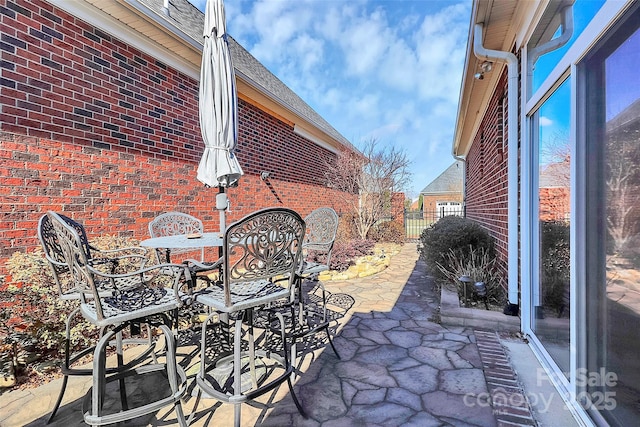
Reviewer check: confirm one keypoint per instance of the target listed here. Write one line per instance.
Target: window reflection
(613, 240)
(552, 309)
(583, 13)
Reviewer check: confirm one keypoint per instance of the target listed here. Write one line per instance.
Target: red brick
(142, 180)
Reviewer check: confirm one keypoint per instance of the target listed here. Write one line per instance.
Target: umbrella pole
(222, 202)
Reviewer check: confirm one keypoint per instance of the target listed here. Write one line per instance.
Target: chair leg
(154, 359)
(172, 371)
(237, 369)
(59, 401)
(195, 407)
(296, 401)
(203, 371)
(67, 358)
(120, 358)
(99, 374)
(252, 349)
(289, 359)
(176, 377)
(326, 328)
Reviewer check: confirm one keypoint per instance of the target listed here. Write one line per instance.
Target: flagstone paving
(398, 367)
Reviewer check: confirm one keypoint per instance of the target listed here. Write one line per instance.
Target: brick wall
(110, 136)
(486, 174)
(555, 204)
(397, 207)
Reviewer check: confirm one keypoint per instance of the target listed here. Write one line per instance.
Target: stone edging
(452, 314)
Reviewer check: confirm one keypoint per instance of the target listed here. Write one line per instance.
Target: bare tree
(374, 174)
(622, 184)
(557, 151)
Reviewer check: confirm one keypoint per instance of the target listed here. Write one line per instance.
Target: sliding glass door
(612, 241)
(552, 309)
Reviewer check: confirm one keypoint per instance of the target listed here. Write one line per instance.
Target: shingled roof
(449, 181)
(190, 20)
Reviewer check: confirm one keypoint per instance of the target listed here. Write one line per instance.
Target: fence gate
(414, 223)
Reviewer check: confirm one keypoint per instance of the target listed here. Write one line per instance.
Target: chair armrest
(197, 266)
(146, 276)
(127, 262)
(133, 250)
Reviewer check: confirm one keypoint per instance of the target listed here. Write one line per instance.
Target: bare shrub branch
(374, 174)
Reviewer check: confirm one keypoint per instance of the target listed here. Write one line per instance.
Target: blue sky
(388, 70)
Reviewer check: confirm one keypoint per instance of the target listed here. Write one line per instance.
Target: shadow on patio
(398, 366)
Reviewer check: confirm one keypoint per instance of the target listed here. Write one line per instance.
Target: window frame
(568, 66)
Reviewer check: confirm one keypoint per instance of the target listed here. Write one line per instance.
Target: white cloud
(545, 121)
(372, 68)
(309, 51)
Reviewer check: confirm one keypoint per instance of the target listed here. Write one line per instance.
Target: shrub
(452, 234)
(347, 227)
(31, 312)
(480, 267)
(32, 315)
(554, 259)
(345, 252)
(388, 231)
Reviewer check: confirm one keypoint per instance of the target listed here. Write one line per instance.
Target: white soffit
(121, 22)
(299, 130)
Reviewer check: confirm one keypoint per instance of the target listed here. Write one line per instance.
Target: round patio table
(183, 241)
(190, 241)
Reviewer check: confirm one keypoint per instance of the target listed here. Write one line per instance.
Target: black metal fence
(416, 221)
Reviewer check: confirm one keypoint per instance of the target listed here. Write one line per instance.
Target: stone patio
(398, 366)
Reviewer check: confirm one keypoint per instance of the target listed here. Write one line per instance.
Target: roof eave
(140, 16)
(503, 23)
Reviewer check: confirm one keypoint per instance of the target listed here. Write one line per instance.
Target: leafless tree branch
(374, 175)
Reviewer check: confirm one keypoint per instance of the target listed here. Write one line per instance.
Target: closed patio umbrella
(218, 107)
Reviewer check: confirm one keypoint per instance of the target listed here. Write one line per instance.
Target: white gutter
(512, 159)
(464, 182)
(553, 44)
(165, 24)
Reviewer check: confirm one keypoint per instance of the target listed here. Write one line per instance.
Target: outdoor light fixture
(264, 175)
(481, 291)
(465, 279)
(485, 67)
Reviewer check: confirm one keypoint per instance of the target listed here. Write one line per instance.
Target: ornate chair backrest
(174, 223)
(322, 227)
(266, 244)
(75, 256)
(107, 294)
(54, 254)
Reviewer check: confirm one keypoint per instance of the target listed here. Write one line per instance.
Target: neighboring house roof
(627, 118)
(555, 175)
(449, 181)
(179, 30)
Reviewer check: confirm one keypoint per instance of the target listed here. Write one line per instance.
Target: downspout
(464, 183)
(534, 53)
(512, 160)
